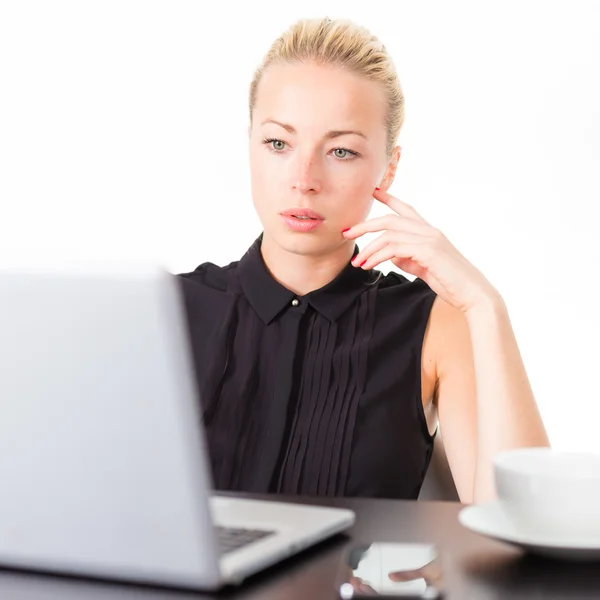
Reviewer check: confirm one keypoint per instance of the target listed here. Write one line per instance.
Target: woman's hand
(416, 247)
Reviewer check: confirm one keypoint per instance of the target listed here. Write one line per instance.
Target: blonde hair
(340, 43)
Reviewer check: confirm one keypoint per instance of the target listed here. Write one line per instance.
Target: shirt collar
(268, 297)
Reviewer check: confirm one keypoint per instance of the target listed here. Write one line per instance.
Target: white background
(123, 137)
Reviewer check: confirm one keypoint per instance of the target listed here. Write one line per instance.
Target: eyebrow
(330, 134)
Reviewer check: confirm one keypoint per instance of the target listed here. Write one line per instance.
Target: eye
(278, 145)
(345, 152)
(271, 140)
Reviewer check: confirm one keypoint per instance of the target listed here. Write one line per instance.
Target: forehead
(310, 95)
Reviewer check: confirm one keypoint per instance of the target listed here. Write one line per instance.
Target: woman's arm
(484, 399)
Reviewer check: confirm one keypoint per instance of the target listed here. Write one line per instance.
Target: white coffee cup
(550, 494)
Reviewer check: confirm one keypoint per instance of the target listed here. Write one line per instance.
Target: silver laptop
(103, 467)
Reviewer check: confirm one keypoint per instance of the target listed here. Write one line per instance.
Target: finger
(386, 253)
(398, 206)
(377, 224)
(409, 250)
(387, 222)
(389, 237)
(405, 575)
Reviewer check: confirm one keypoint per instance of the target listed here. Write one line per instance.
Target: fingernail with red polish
(344, 230)
(377, 188)
(363, 262)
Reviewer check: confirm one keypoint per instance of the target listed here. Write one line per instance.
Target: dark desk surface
(474, 567)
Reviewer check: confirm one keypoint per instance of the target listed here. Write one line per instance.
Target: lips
(303, 213)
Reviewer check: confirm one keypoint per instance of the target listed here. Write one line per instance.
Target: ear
(390, 172)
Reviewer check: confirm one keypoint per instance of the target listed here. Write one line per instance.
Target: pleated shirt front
(317, 394)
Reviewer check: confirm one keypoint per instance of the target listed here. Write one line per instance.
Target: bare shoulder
(446, 335)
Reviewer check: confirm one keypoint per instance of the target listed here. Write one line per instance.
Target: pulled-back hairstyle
(339, 43)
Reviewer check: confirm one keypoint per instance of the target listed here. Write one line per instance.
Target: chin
(307, 244)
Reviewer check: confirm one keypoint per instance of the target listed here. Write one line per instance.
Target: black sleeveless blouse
(314, 395)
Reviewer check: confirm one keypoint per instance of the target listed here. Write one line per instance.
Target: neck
(304, 273)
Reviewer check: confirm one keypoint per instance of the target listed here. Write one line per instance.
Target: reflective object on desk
(391, 570)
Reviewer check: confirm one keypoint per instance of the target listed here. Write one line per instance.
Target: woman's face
(305, 165)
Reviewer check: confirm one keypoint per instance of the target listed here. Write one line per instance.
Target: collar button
(295, 302)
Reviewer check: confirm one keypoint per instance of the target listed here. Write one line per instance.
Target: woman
(318, 374)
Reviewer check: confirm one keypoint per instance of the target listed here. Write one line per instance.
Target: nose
(307, 176)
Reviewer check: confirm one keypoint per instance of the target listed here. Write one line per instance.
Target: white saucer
(489, 520)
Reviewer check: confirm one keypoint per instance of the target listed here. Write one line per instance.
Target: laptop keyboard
(232, 538)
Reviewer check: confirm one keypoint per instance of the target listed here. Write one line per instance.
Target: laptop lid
(101, 445)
